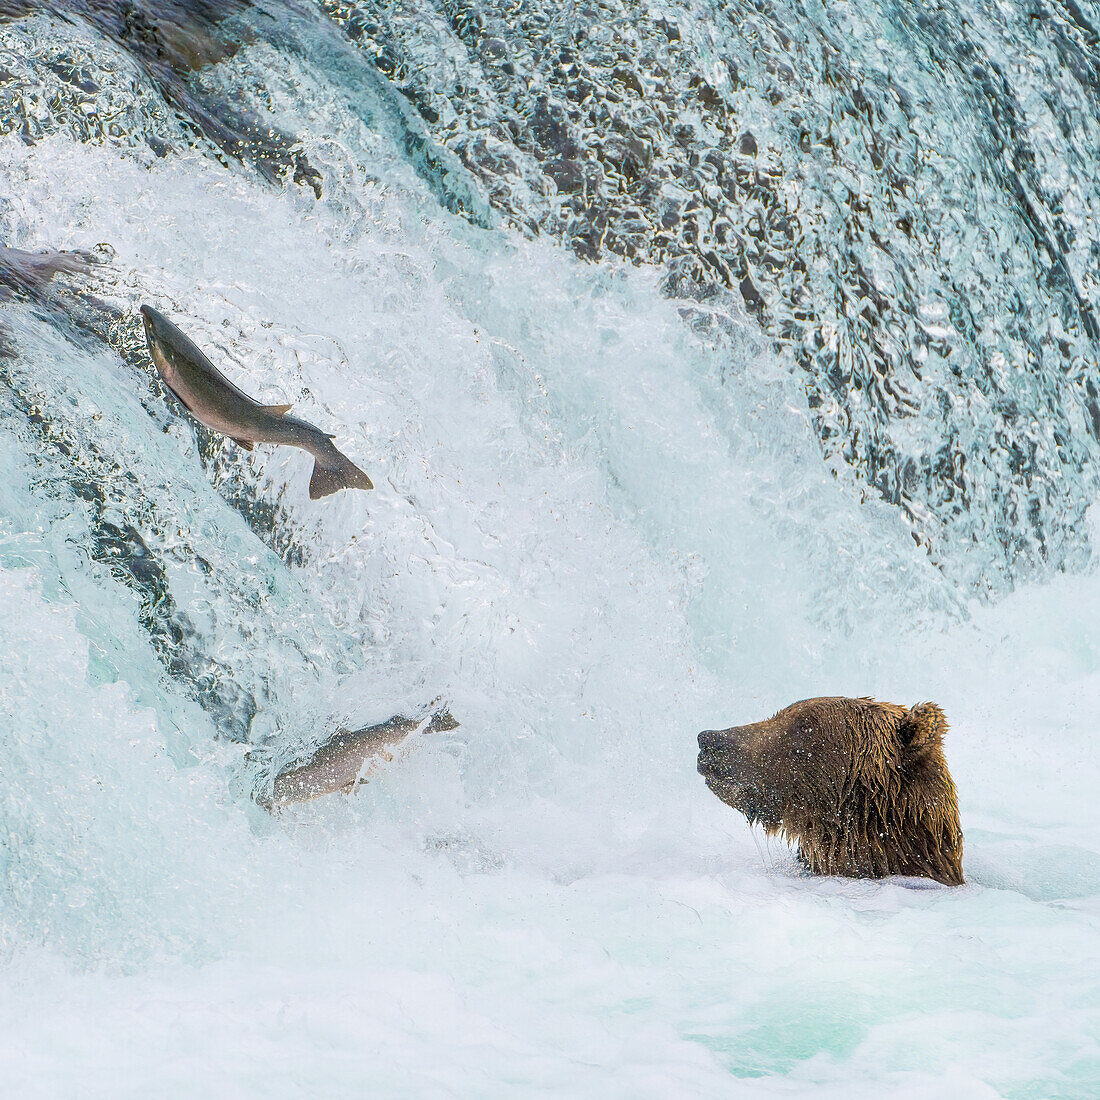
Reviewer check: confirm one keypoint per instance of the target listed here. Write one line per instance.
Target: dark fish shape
(214, 401)
(342, 763)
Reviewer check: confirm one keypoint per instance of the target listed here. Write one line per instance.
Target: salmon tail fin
(442, 721)
(339, 473)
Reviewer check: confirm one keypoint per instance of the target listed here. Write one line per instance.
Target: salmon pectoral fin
(276, 410)
(245, 443)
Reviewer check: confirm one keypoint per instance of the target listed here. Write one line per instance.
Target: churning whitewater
(704, 358)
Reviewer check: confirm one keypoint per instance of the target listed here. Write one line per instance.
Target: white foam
(593, 546)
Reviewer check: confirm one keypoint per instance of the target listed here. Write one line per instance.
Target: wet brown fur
(861, 787)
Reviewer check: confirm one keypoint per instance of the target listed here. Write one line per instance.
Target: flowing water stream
(705, 357)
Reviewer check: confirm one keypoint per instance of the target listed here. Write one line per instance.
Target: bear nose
(713, 739)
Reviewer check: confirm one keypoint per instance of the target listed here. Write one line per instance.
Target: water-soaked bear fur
(862, 787)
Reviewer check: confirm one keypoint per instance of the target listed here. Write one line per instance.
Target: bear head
(861, 787)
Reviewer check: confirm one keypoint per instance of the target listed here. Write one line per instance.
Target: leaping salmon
(345, 761)
(213, 400)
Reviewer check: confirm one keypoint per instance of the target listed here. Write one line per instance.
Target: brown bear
(861, 786)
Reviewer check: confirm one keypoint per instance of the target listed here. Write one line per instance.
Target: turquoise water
(596, 529)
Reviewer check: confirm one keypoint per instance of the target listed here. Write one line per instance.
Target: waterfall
(704, 357)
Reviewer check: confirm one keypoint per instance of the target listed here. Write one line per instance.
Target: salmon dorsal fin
(277, 410)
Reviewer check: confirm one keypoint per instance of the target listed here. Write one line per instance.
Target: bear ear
(921, 727)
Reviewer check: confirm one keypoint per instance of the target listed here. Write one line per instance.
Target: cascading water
(826, 285)
(893, 191)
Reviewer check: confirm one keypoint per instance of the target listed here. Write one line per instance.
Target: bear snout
(710, 750)
(721, 753)
(724, 742)
(709, 739)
